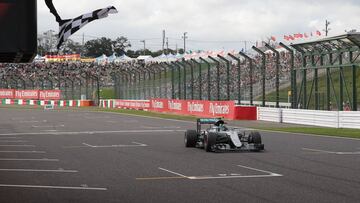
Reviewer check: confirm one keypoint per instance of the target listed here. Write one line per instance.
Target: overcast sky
(211, 24)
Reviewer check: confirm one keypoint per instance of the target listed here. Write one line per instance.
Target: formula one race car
(220, 138)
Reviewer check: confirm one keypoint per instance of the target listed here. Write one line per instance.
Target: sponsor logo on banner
(50, 94)
(157, 104)
(132, 104)
(195, 107)
(216, 109)
(7, 93)
(175, 105)
(26, 94)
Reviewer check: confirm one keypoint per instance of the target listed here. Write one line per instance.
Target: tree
(120, 45)
(71, 47)
(97, 47)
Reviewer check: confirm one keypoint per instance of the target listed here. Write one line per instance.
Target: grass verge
(341, 132)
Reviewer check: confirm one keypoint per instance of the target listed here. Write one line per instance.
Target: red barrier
(195, 107)
(26, 94)
(213, 109)
(132, 104)
(245, 113)
(7, 94)
(50, 95)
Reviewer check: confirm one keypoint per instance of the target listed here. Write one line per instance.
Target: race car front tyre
(254, 137)
(209, 141)
(190, 138)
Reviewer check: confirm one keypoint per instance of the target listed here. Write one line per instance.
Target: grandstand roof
(347, 42)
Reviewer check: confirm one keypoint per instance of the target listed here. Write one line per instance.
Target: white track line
(172, 172)
(37, 170)
(331, 152)
(53, 187)
(90, 132)
(11, 138)
(17, 146)
(35, 152)
(12, 141)
(49, 160)
(116, 146)
(48, 126)
(263, 171)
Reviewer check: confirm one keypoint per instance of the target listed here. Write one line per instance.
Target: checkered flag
(70, 26)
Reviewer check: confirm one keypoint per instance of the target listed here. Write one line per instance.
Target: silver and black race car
(218, 137)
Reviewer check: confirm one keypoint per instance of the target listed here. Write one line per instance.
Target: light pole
(143, 41)
(185, 37)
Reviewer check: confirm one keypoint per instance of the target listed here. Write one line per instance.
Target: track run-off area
(79, 156)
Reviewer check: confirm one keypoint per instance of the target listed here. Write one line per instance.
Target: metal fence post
(250, 60)
(200, 78)
(238, 77)
(191, 78)
(227, 76)
(263, 74)
(217, 76)
(292, 76)
(208, 78)
(277, 73)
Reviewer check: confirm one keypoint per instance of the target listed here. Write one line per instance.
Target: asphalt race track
(67, 156)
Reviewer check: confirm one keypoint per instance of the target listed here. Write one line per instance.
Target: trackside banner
(7, 93)
(26, 94)
(30, 94)
(49, 94)
(224, 109)
(212, 109)
(133, 104)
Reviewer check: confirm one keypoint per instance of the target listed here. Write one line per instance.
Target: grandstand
(226, 76)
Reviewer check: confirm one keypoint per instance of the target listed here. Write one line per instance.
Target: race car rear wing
(203, 121)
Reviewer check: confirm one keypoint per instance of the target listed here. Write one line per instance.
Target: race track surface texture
(67, 156)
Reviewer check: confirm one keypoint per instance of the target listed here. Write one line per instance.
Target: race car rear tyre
(254, 137)
(190, 138)
(209, 141)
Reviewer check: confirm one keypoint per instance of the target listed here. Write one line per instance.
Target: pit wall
(332, 119)
(226, 109)
(55, 103)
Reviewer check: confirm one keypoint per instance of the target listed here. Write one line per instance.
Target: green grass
(341, 132)
(322, 89)
(107, 93)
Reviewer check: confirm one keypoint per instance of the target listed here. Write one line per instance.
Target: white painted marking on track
(255, 169)
(53, 187)
(17, 146)
(227, 176)
(175, 173)
(44, 160)
(30, 152)
(331, 152)
(43, 121)
(12, 141)
(90, 132)
(38, 170)
(137, 144)
(48, 126)
(11, 138)
(231, 177)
